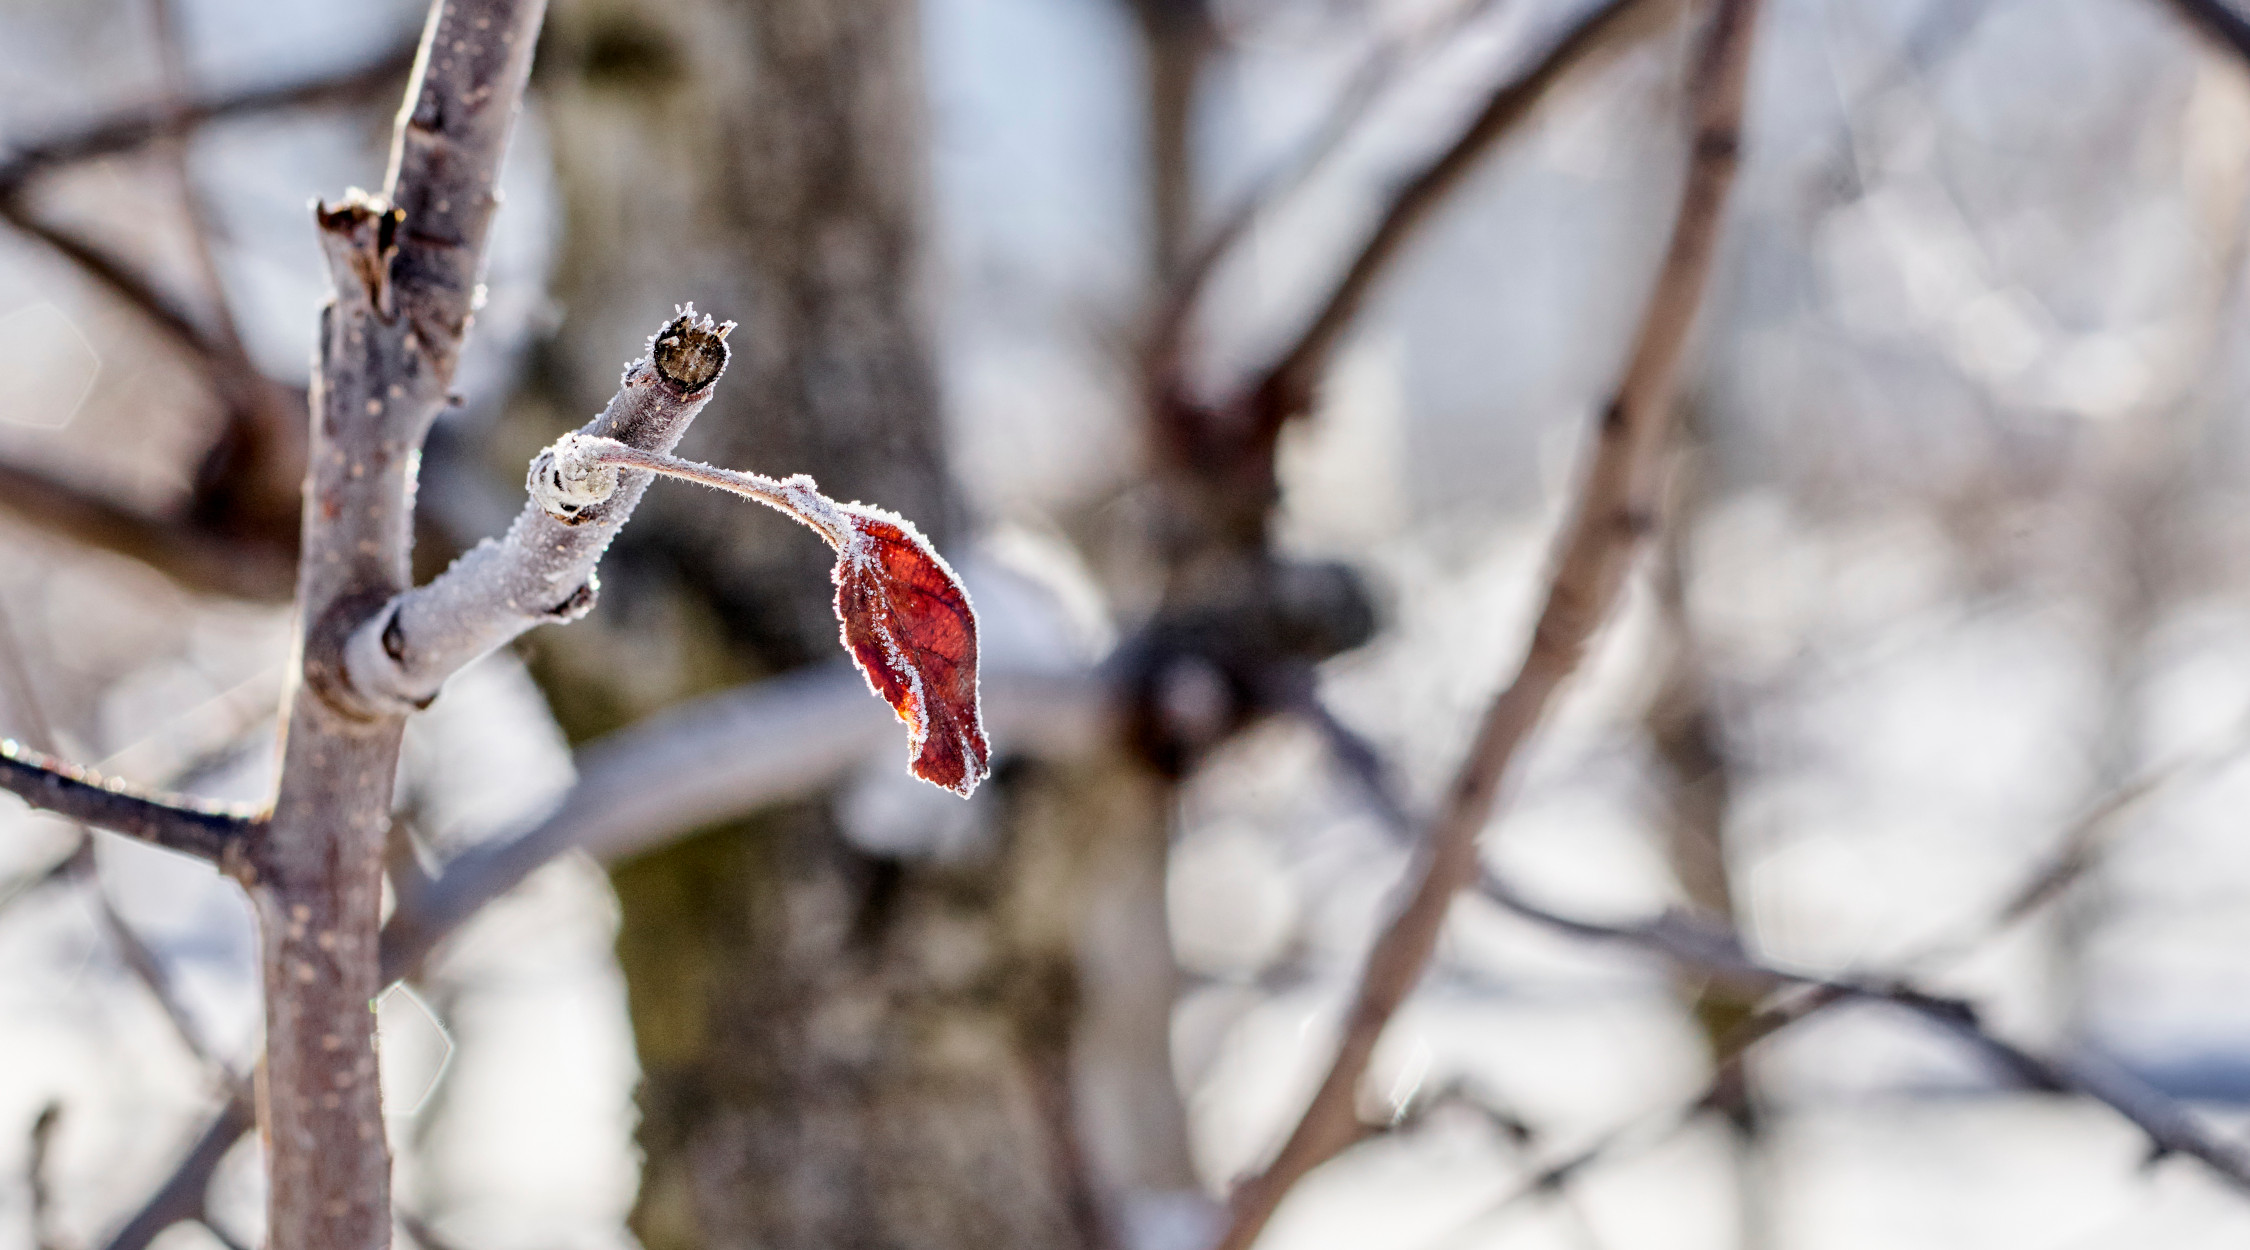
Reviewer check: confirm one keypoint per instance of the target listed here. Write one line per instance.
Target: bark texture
(405, 269)
(839, 1048)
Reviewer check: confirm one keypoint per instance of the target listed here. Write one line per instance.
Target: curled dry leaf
(909, 626)
(903, 614)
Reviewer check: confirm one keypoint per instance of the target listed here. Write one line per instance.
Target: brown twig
(132, 128)
(184, 1195)
(1376, 71)
(35, 1177)
(1614, 513)
(2170, 1127)
(217, 832)
(262, 449)
(239, 537)
(264, 442)
(2218, 19)
(1284, 389)
(192, 557)
(160, 310)
(81, 868)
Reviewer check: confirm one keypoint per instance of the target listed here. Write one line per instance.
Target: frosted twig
(579, 471)
(211, 831)
(542, 570)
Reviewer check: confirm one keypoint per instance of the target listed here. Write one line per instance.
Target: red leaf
(910, 627)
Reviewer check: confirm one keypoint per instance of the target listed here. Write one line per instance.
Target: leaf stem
(798, 496)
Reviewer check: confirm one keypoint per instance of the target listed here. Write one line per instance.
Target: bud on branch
(904, 616)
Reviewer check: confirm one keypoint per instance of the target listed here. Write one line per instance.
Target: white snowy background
(1983, 253)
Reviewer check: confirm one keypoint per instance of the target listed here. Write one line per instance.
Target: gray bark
(839, 1048)
(405, 271)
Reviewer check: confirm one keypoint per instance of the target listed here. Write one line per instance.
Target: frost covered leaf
(909, 626)
(905, 617)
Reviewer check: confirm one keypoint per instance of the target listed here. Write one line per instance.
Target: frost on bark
(839, 1048)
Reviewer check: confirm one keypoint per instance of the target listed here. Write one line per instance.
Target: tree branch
(184, 1195)
(542, 570)
(139, 958)
(264, 426)
(131, 128)
(404, 267)
(1716, 952)
(195, 559)
(216, 832)
(2220, 20)
(2170, 1127)
(1615, 511)
(665, 777)
(161, 311)
(1285, 389)
(716, 758)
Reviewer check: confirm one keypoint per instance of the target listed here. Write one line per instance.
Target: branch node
(565, 481)
(580, 602)
(360, 234)
(690, 352)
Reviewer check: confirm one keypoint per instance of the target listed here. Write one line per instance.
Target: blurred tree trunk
(840, 1048)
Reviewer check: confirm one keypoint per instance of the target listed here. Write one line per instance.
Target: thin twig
(1378, 68)
(35, 1177)
(1714, 951)
(1614, 512)
(132, 128)
(262, 416)
(2218, 19)
(184, 1195)
(217, 832)
(139, 958)
(191, 557)
(2170, 1127)
(1284, 389)
(113, 273)
(1553, 1178)
(542, 570)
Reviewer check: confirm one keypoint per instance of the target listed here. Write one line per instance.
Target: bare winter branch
(404, 266)
(542, 571)
(1365, 85)
(195, 559)
(2220, 20)
(132, 128)
(113, 274)
(215, 832)
(1615, 511)
(1716, 952)
(184, 1194)
(1285, 389)
(714, 759)
(2170, 1127)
